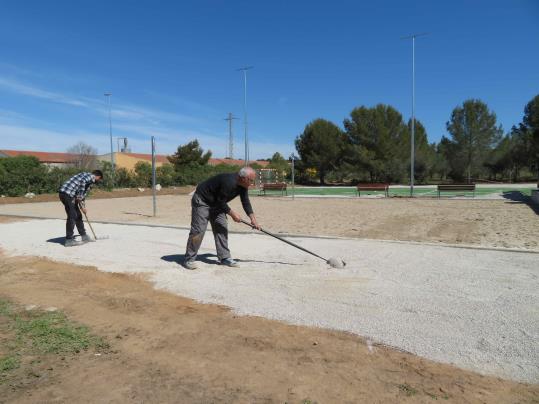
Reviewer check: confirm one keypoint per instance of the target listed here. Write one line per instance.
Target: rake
(334, 262)
(81, 206)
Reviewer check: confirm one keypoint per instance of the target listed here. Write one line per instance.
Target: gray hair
(245, 172)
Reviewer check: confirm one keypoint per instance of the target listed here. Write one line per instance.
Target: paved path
(477, 309)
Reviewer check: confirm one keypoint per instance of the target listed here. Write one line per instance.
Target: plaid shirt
(78, 185)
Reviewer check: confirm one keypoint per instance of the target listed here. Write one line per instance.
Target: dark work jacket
(219, 190)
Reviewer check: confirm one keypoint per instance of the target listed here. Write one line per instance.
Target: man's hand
(234, 216)
(254, 223)
(82, 205)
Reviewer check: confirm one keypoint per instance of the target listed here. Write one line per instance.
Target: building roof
(46, 157)
(161, 158)
(213, 161)
(233, 162)
(43, 157)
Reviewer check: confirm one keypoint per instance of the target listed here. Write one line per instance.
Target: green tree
(531, 125)
(424, 153)
(321, 146)
(377, 139)
(281, 165)
(188, 155)
(474, 134)
(441, 164)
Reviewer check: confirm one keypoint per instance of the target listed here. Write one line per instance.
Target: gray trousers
(200, 214)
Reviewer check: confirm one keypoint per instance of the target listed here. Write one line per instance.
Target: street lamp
(293, 158)
(110, 133)
(246, 138)
(412, 137)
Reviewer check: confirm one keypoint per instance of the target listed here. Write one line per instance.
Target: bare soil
(166, 348)
(488, 223)
(97, 193)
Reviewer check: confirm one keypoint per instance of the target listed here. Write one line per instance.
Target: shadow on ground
(519, 197)
(213, 260)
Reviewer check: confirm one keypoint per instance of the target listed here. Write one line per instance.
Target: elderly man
(72, 194)
(209, 202)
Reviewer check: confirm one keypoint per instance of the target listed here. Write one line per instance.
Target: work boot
(71, 242)
(229, 262)
(190, 265)
(85, 238)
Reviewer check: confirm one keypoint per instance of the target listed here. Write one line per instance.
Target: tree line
(375, 146)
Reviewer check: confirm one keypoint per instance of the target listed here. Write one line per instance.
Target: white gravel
(477, 309)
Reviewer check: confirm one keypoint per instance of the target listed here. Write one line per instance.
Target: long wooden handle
(284, 240)
(87, 221)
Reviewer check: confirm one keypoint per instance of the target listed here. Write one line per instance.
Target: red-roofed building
(50, 159)
(233, 162)
(121, 160)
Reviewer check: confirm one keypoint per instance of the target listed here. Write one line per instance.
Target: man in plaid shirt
(72, 193)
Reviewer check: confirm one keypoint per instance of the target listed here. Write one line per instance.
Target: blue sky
(171, 67)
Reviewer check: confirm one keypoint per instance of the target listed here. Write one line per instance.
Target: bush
(22, 174)
(143, 174)
(124, 178)
(165, 175)
(194, 174)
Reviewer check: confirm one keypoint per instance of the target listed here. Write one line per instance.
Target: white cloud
(36, 139)
(119, 111)
(24, 89)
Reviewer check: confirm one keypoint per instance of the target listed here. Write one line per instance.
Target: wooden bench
(456, 187)
(372, 187)
(273, 186)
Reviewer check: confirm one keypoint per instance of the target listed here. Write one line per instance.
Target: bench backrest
(456, 187)
(372, 185)
(274, 185)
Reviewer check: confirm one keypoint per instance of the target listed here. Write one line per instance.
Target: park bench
(456, 188)
(273, 186)
(372, 187)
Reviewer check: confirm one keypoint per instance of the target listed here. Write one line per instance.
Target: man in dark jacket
(72, 194)
(209, 202)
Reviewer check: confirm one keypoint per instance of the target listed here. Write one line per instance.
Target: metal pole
(293, 188)
(246, 137)
(230, 135)
(110, 133)
(153, 178)
(230, 145)
(412, 136)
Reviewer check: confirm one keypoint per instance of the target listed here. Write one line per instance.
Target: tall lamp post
(110, 133)
(246, 138)
(293, 158)
(412, 138)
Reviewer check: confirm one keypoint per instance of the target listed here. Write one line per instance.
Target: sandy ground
(98, 193)
(166, 348)
(499, 223)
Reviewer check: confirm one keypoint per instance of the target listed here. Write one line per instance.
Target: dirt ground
(100, 194)
(489, 223)
(164, 348)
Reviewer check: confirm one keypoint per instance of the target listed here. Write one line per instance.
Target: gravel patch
(477, 309)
